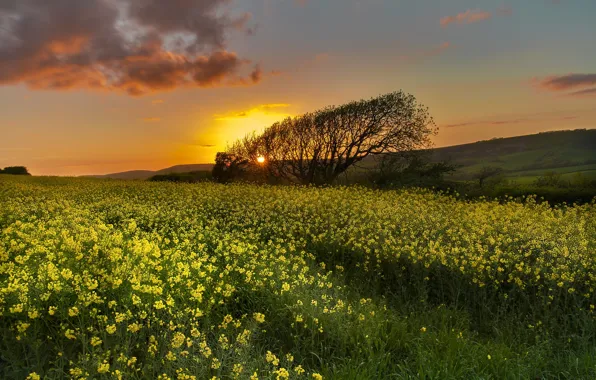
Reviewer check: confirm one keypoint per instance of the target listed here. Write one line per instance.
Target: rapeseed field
(103, 279)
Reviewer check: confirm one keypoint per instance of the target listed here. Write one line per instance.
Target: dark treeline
(189, 177)
(15, 170)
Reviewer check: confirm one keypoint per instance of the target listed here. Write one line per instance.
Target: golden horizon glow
(230, 127)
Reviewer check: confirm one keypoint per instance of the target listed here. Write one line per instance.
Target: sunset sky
(101, 86)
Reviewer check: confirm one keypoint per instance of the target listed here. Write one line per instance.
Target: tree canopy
(15, 170)
(317, 147)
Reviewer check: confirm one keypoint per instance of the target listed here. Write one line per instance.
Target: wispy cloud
(263, 109)
(581, 84)
(499, 121)
(468, 17)
(152, 120)
(157, 101)
(486, 122)
(586, 92)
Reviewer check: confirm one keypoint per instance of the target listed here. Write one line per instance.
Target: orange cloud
(263, 109)
(152, 120)
(175, 44)
(157, 101)
(468, 17)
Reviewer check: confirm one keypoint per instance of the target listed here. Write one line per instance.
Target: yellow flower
(103, 367)
(70, 334)
(111, 329)
(260, 318)
(33, 376)
(95, 341)
(316, 376)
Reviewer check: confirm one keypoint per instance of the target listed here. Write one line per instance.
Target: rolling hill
(522, 157)
(146, 174)
(526, 157)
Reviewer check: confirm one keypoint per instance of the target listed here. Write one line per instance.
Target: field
(131, 280)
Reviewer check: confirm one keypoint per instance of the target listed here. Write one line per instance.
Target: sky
(103, 86)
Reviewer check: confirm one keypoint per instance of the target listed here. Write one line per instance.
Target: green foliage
(408, 169)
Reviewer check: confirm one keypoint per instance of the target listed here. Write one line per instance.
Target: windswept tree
(317, 147)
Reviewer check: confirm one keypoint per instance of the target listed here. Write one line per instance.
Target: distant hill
(522, 158)
(526, 157)
(146, 174)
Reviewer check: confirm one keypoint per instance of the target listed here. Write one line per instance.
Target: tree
(317, 147)
(487, 172)
(409, 168)
(228, 167)
(15, 170)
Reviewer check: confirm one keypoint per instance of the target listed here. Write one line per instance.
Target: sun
(261, 159)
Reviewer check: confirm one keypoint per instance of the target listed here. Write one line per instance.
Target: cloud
(567, 82)
(534, 118)
(581, 84)
(152, 120)
(206, 145)
(261, 109)
(132, 46)
(157, 101)
(487, 122)
(468, 17)
(586, 92)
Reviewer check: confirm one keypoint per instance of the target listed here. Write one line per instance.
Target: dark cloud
(137, 46)
(567, 82)
(570, 84)
(586, 92)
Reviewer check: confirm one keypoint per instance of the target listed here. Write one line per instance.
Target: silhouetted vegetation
(409, 169)
(190, 177)
(228, 167)
(318, 147)
(15, 170)
(486, 173)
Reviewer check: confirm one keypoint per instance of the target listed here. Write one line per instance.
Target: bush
(190, 177)
(15, 170)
